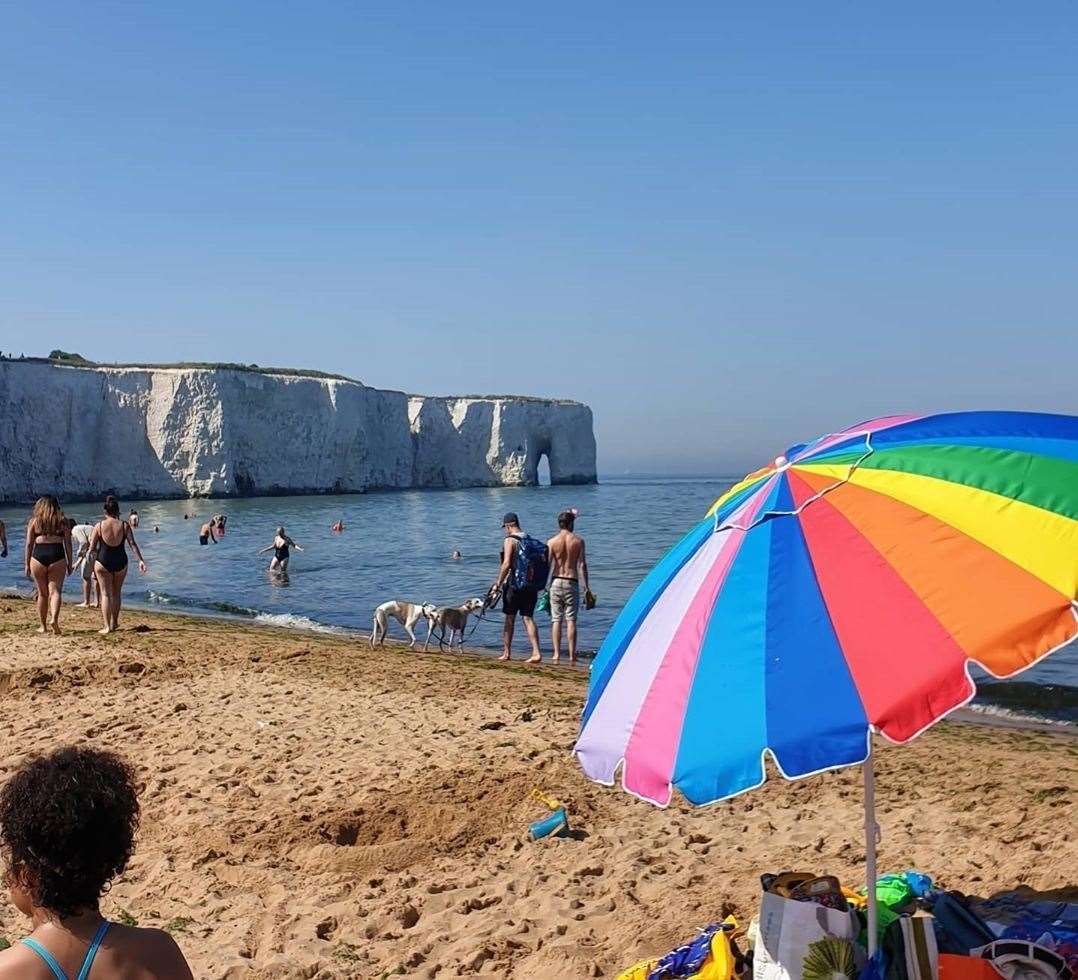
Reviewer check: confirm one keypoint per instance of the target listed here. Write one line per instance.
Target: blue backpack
(532, 565)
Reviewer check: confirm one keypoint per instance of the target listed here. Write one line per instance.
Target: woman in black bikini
(48, 559)
(108, 543)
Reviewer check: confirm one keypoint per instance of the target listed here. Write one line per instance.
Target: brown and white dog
(405, 613)
(452, 618)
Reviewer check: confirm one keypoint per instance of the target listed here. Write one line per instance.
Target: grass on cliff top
(77, 361)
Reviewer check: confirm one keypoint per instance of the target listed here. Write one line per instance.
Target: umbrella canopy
(844, 588)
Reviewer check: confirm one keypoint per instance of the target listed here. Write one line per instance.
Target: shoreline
(310, 809)
(989, 715)
(355, 634)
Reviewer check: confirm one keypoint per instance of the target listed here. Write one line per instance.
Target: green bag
(542, 604)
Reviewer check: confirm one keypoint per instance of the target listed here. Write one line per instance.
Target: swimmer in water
(281, 543)
(132, 518)
(338, 527)
(206, 533)
(457, 556)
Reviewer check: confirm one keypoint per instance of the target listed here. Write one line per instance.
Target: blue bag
(532, 566)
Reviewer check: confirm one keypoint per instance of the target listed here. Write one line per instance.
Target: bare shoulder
(19, 963)
(155, 950)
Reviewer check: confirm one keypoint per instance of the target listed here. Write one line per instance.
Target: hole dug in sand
(438, 818)
(448, 815)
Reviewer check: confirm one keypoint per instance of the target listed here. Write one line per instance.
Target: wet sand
(313, 809)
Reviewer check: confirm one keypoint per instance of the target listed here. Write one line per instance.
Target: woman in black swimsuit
(281, 543)
(48, 559)
(108, 543)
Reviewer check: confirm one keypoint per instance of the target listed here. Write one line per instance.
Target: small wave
(209, 605)
(996, 711)
(291, 621)
(287, 620)
(1040, 702)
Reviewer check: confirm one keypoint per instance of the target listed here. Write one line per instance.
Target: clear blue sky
(725, 226)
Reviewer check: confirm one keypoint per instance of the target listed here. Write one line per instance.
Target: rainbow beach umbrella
(860, 574)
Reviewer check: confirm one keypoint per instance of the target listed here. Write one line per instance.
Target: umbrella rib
(816, 496)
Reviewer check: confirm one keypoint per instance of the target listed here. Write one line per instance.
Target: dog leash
(489, 602)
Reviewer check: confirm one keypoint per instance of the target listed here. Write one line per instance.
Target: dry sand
(313, 809)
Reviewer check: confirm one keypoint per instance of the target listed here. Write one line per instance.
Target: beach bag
(532, 566)
(910, 947)
(804, 941)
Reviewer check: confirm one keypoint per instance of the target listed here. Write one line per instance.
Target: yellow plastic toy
(548, 801)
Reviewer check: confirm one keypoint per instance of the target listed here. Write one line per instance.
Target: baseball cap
(510, 518)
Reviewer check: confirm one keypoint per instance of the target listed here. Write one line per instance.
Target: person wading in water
(523, 573)
(108, 545)
(568, 564)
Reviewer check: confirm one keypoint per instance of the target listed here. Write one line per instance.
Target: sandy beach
(313, 809)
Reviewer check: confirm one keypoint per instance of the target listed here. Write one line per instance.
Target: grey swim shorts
(564, 599)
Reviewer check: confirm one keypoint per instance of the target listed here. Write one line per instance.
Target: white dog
(452, 618)
(405, 613)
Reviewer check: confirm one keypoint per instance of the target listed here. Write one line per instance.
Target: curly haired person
(67, 829)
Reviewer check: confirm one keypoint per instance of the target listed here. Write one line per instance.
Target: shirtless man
(567, 564)
(210, 531)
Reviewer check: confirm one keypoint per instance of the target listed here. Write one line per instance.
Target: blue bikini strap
(92, 951)
(50, 962)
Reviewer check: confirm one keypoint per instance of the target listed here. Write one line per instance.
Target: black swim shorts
(519, 601)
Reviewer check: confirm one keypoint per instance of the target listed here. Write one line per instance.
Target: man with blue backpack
(525, 569)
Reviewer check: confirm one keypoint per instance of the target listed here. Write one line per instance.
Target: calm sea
(398, 545)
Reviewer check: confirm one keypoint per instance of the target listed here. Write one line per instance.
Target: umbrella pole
(871, 832)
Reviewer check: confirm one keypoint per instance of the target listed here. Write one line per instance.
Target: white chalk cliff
(148, 432)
